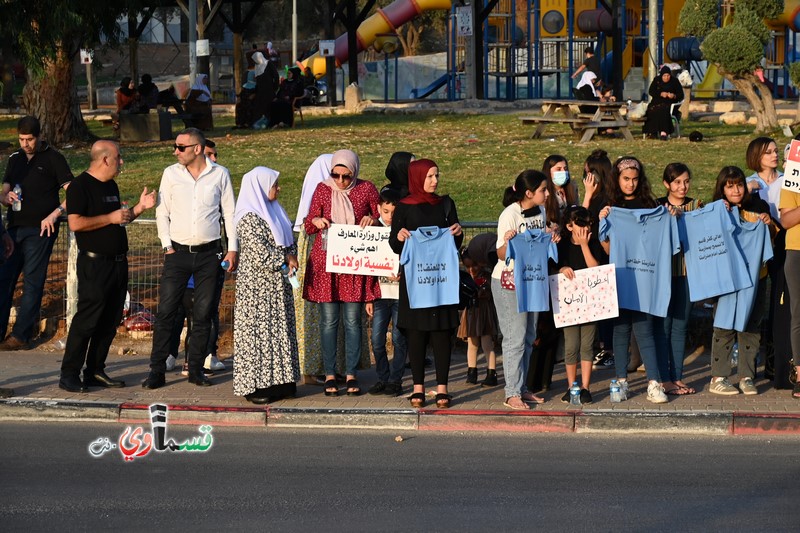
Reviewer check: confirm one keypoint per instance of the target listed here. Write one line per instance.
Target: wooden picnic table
(585, 125)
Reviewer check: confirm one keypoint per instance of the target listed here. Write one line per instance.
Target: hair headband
(628, 163)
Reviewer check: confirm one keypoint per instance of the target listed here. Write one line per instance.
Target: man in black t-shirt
(41, 172)
(97, 217)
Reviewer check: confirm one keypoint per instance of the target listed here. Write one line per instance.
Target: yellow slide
(710, 85)
(385, 20)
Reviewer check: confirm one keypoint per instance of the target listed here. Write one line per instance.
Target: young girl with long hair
(524, 209)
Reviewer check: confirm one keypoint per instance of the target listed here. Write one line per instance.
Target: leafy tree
(794, 74)
(47, 36)
(737, 49)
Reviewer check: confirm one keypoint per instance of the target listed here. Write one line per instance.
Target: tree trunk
(760, 100)
(51, 96)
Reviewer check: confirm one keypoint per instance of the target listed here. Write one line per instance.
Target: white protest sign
(791, 176)
(590, 297)
(353, 250)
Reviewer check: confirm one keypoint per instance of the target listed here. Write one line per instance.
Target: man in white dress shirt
(194, 193)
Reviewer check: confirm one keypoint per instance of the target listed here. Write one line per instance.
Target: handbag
(507, 276)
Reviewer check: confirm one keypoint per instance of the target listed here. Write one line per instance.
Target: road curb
(198, 415)
(295, 417)
(30, 409)
(595, 421)
(715, 423)
(766, 423)
(506, 421)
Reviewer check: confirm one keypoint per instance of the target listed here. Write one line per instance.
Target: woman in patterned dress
(265, 366)
(340, 199)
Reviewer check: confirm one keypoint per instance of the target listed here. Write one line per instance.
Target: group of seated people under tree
(195, 110)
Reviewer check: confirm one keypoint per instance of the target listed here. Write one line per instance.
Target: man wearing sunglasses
(194, 194)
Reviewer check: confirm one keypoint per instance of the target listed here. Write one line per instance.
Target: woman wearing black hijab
(664, 91)
(397, 172)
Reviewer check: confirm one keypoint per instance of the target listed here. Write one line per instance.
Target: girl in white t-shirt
(524, 209)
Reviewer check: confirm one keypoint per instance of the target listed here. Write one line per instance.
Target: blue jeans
(385, 310)
(31, 256)
(674, 326)
(519, 332)
(652, 344)
(329, 314)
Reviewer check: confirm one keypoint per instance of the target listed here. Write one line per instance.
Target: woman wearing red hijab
(434, 325)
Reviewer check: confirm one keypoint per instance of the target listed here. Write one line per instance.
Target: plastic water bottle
(225, 265)
(615, 392)
(575, 394)
(124, 205)
(290, 276)
(735, 355)
(17, 205)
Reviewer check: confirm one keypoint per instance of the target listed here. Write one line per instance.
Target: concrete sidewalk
(34, 377)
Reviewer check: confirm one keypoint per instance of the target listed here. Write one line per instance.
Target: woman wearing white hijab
(307, 313)
(343, 198)
(198, 104)
(265, 366)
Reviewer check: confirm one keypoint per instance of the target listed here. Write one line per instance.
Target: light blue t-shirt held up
(530, 251)
(734, 309)
(714, 263)
(643, 242)
(430, 265)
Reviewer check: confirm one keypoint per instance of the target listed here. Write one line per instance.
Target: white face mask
(561, 177)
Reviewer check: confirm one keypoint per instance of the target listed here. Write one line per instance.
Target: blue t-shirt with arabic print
(714, 262)
(734, 309)
(430, 265)
(643, 242)
(530, 251)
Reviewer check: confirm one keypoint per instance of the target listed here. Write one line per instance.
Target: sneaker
(378, 388)
(586, 397)
(565, 398)
(722, 386)
(171, 361)
(185, 370)
(655, 393)
(212, 363)
(747, 387)
(603, 358)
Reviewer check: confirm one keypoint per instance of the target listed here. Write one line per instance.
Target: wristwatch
(61, 210)
(167, 249)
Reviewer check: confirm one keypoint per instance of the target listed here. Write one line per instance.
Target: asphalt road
(280, 480)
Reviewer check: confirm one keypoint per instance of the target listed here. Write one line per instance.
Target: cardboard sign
(791, 176)
(590, 297)
(353, 250)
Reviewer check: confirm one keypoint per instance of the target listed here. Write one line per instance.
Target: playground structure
(531, 47)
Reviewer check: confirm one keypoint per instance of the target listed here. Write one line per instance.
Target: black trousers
(441, 342)
(178, 268)
(102, 285)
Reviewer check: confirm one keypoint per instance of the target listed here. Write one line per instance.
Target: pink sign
(590, 297)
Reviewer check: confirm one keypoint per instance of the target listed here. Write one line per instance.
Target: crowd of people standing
(283, 336)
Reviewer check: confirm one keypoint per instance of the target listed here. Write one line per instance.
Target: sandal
(417, 400)
(443, 400)
(680, 391)
(331, 388)
(796, 391)
(531, 397)
(516, 403)
(353, 389)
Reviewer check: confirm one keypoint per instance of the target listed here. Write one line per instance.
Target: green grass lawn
(478, 156)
